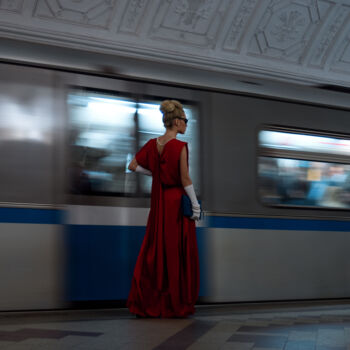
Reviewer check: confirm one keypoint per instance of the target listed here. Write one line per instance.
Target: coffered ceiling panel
(15, 5)
(91, 13)
(305, 40)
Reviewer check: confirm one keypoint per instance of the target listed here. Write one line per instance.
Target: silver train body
(59, 248)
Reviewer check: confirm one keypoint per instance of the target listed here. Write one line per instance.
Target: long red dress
(166, 275)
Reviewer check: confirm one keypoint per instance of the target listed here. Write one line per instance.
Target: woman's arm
(185, 176)
(188, 186)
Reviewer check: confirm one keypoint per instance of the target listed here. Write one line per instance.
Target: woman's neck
(170, 134)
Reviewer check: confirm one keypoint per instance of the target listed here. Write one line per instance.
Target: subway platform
(322, 325)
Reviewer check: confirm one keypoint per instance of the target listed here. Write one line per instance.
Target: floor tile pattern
(266, 326)
(187, 336)
(26, 333)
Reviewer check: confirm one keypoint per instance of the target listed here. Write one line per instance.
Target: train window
(298, 168)
(101, 137)
(105, 132)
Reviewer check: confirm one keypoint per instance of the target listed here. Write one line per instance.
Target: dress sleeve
(142, 156)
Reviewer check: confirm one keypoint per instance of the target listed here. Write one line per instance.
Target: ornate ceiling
(304, 40)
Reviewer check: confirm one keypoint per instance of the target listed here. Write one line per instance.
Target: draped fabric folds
(166, 276)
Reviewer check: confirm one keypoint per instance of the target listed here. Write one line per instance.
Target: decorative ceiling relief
(328, 37)
(239, 25)
(133, 15)
(189, 21)
(342, 58)
(305, 39)
(11, 5)
(96, 13)
(285, 29)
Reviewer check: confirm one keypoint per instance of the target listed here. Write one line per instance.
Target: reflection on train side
(304, 143)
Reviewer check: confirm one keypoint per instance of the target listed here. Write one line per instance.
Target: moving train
(270, 162)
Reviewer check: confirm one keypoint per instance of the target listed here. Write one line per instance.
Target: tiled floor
(288, 326)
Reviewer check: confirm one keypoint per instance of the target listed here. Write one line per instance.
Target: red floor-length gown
(166, 275)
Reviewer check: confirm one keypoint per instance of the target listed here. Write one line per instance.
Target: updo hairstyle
(171, 110)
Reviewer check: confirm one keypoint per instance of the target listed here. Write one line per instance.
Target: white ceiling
(300, 40)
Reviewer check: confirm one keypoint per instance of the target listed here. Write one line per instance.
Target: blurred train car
(270, 163)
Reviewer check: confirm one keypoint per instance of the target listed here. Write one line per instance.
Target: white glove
(144, 171)
(196, 209)
(196, 213)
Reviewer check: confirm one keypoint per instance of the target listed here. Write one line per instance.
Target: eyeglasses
(184, 119)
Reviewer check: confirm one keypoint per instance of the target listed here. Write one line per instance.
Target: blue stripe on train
(31, 216)
(101, 261)
(55, 216)
(277, 224)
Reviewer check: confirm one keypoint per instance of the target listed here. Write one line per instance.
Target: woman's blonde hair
(171, 110)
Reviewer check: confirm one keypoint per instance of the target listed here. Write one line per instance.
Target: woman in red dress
(166, 275)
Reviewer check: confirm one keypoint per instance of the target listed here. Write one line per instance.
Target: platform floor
(289, 326)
